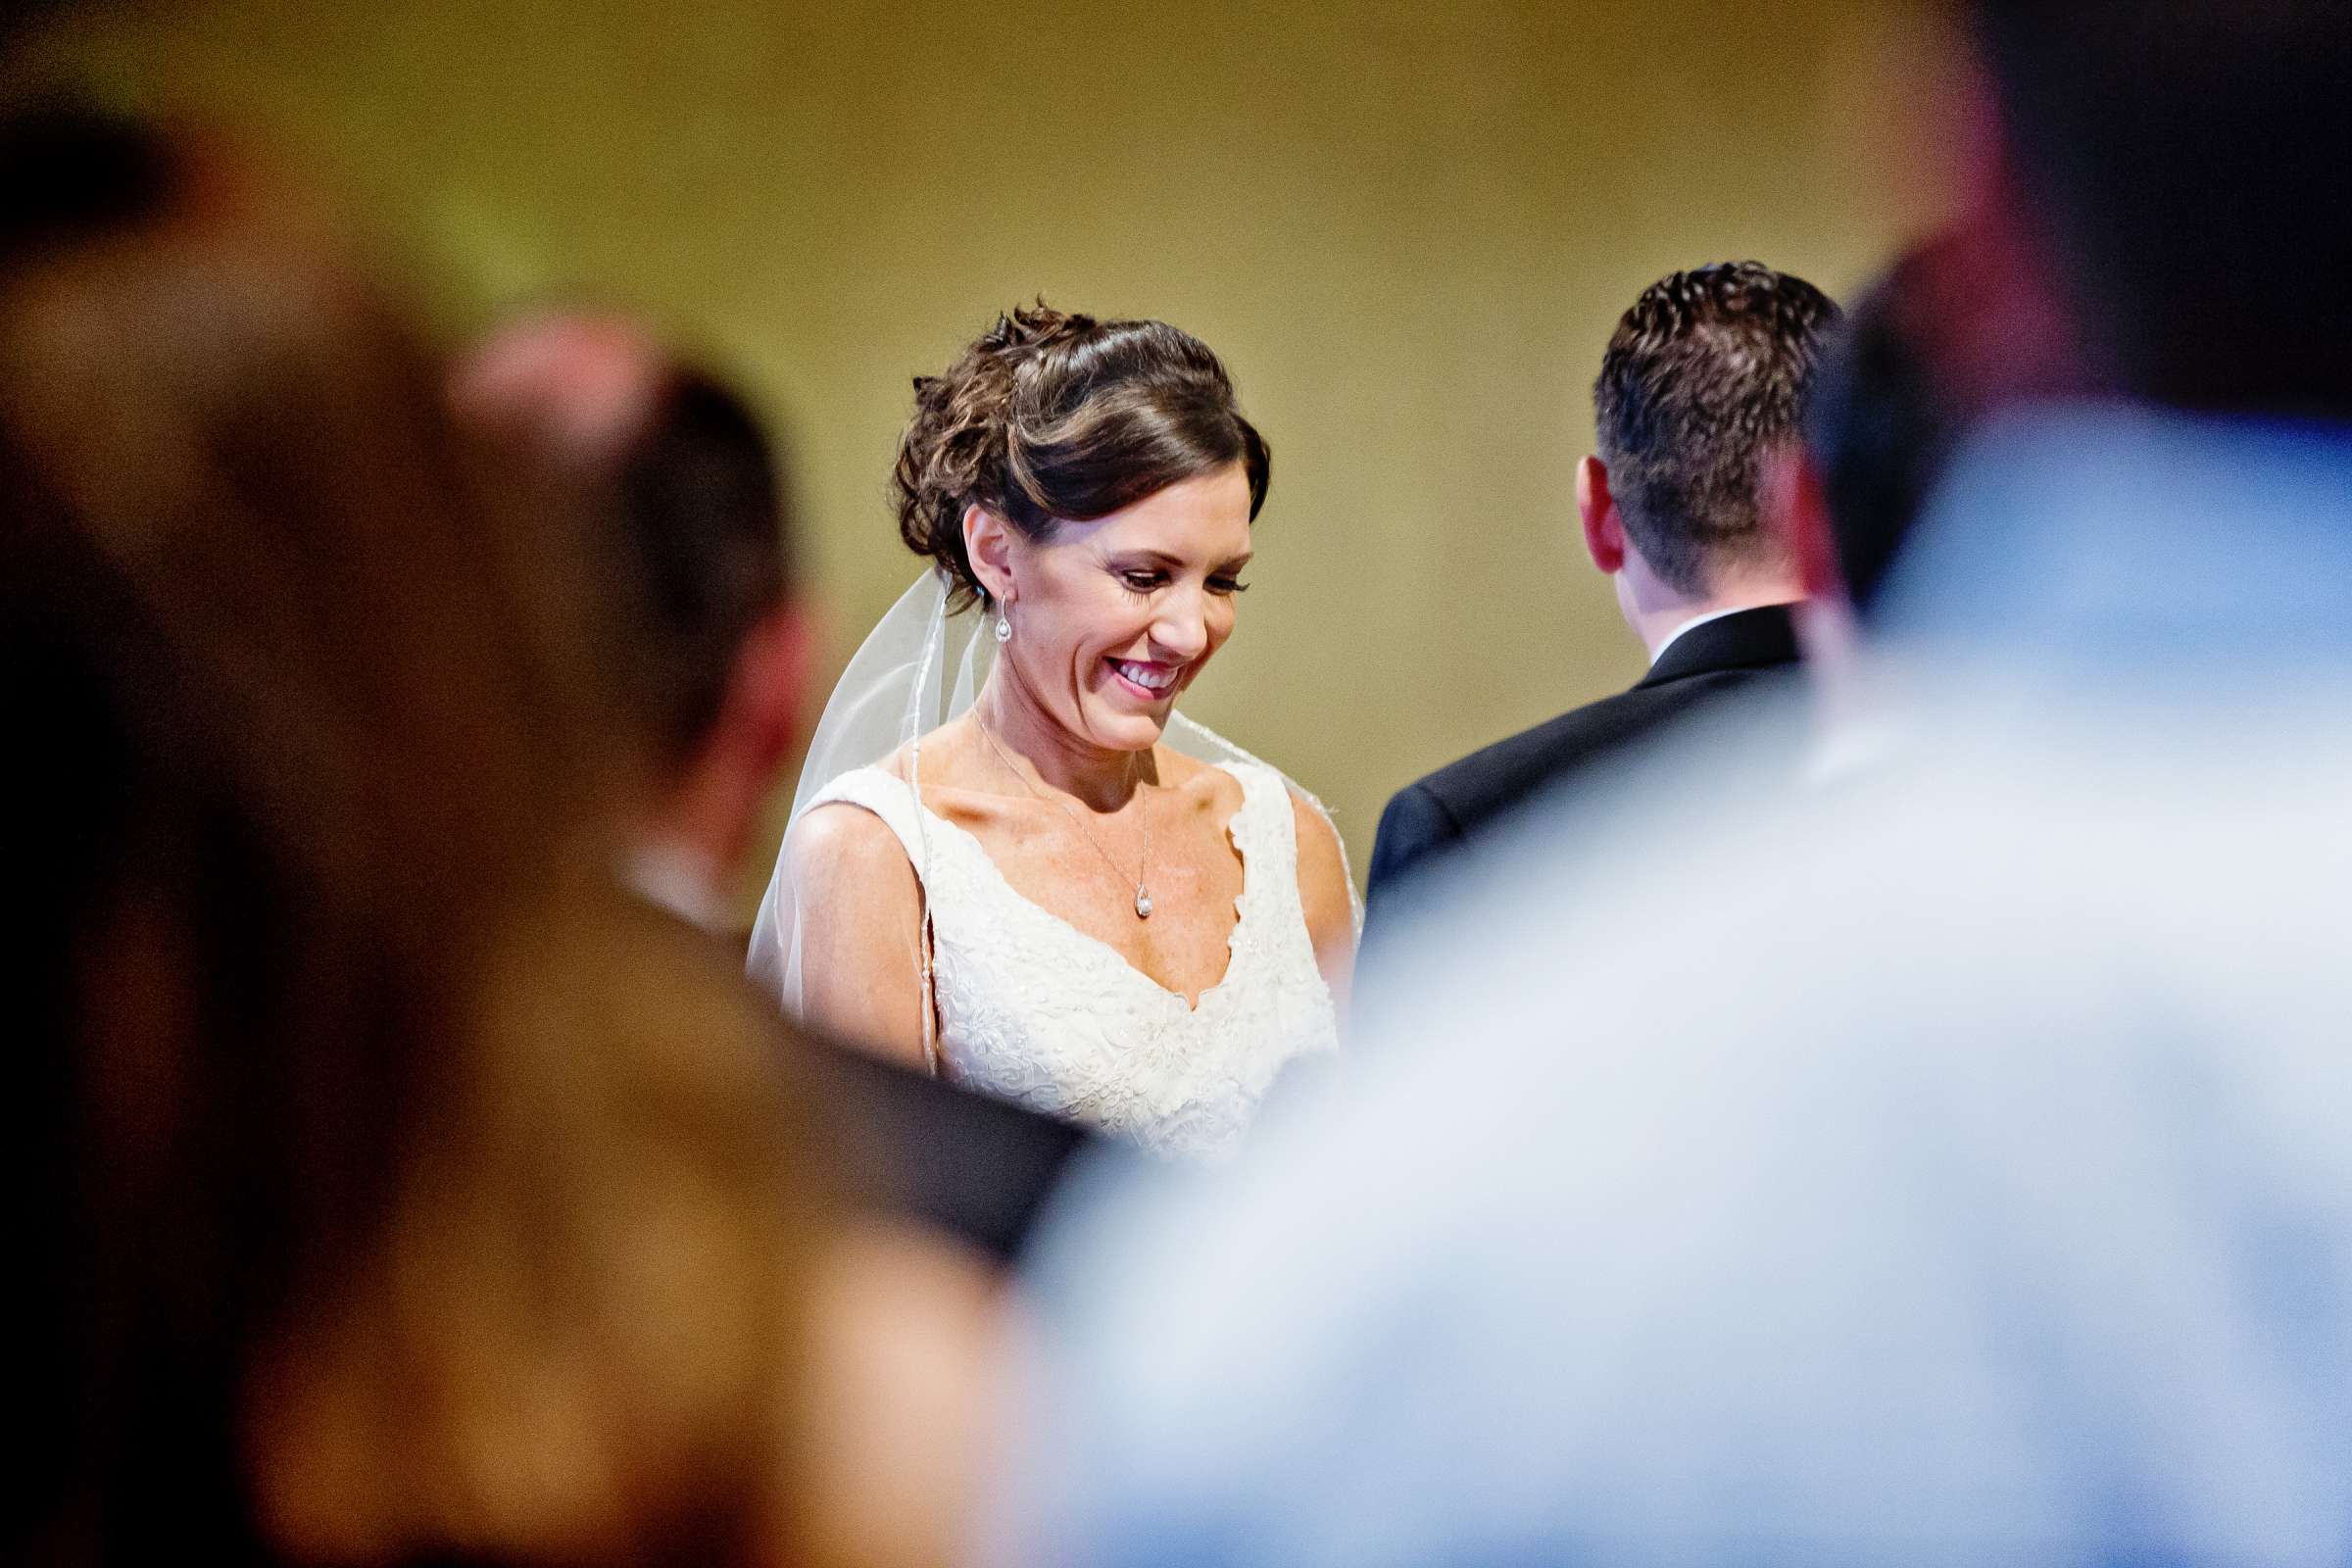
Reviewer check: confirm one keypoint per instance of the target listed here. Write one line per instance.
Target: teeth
(1143, 675)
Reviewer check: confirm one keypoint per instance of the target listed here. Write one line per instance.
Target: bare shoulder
(1322, 863)
(858, 912)
(1325, 897)
(840, 844)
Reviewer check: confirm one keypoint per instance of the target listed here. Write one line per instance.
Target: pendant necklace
(1143, 894)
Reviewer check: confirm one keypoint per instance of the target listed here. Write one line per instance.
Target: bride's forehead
(1206, 517)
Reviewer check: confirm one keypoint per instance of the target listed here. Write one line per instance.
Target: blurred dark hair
(704, 507)
(678, 490)
(703, 539)
(1707, 371)
(354, 1096)
(1051, 417)
(2186, 162)
(1881, 425)
(1959, 327)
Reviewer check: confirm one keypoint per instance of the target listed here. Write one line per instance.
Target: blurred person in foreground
(1951, 1163)
(1701, 385)
(684, 497)
(685, 505)
(388, 1188)
(1959, 327)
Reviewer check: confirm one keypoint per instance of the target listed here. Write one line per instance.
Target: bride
(1064, 894)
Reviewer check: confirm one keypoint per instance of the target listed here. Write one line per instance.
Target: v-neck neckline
(1241, 900)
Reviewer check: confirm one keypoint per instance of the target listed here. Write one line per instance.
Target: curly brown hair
(1049, 418)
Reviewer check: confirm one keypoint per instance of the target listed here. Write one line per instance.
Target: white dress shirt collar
(673, 877)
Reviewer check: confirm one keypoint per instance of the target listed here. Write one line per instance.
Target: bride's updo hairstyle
(1049, 419)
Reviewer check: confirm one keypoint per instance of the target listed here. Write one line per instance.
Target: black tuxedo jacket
(913, 1147)
(977, 1168)
(1430, 825)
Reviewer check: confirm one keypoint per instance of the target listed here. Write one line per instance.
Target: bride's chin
(1130, 732)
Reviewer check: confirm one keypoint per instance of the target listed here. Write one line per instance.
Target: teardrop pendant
(1143, 901)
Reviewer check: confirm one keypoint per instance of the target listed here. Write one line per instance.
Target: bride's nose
(1181, 628)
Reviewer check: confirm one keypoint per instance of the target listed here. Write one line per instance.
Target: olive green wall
(1408, 228)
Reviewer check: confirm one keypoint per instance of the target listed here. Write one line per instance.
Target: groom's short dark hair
(1709, 370)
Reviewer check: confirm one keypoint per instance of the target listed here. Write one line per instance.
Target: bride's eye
(1141, 582)
(1227, 585)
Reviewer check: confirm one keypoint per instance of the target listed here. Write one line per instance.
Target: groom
(1705, 377)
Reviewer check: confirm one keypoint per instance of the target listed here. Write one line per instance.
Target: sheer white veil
(918, 668)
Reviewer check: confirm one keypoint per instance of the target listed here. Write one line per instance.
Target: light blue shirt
(1951, 1163)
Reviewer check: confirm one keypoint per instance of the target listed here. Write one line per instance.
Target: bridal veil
(920, 668)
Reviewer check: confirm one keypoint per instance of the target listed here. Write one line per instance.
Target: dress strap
(1265, 819)
(1266, 833)
(885, 795)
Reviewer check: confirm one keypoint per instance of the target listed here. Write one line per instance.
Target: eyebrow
(1173, 562)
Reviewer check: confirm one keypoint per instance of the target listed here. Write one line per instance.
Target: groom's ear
(988, 545)
(1596, 509)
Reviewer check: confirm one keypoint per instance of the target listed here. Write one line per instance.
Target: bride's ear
(988, 545)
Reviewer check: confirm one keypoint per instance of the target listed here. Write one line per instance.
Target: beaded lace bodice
(1034, 1010)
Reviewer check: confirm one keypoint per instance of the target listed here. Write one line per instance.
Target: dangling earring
(1003, 629)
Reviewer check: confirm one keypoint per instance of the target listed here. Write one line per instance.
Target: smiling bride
(1039, 881)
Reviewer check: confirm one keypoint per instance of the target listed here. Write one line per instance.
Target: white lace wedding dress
(1034, 1010)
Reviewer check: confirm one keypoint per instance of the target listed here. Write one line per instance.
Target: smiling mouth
(1154, 680)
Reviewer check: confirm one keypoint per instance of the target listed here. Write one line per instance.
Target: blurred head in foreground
(2156, 222)
(685, 505)
(1957, 329)
(396, 1191)
(2181, 169)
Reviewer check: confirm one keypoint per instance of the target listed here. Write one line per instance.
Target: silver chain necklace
(1143, 894)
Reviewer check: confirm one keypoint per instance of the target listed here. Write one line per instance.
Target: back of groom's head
(1705, 374)
(2185, 164)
